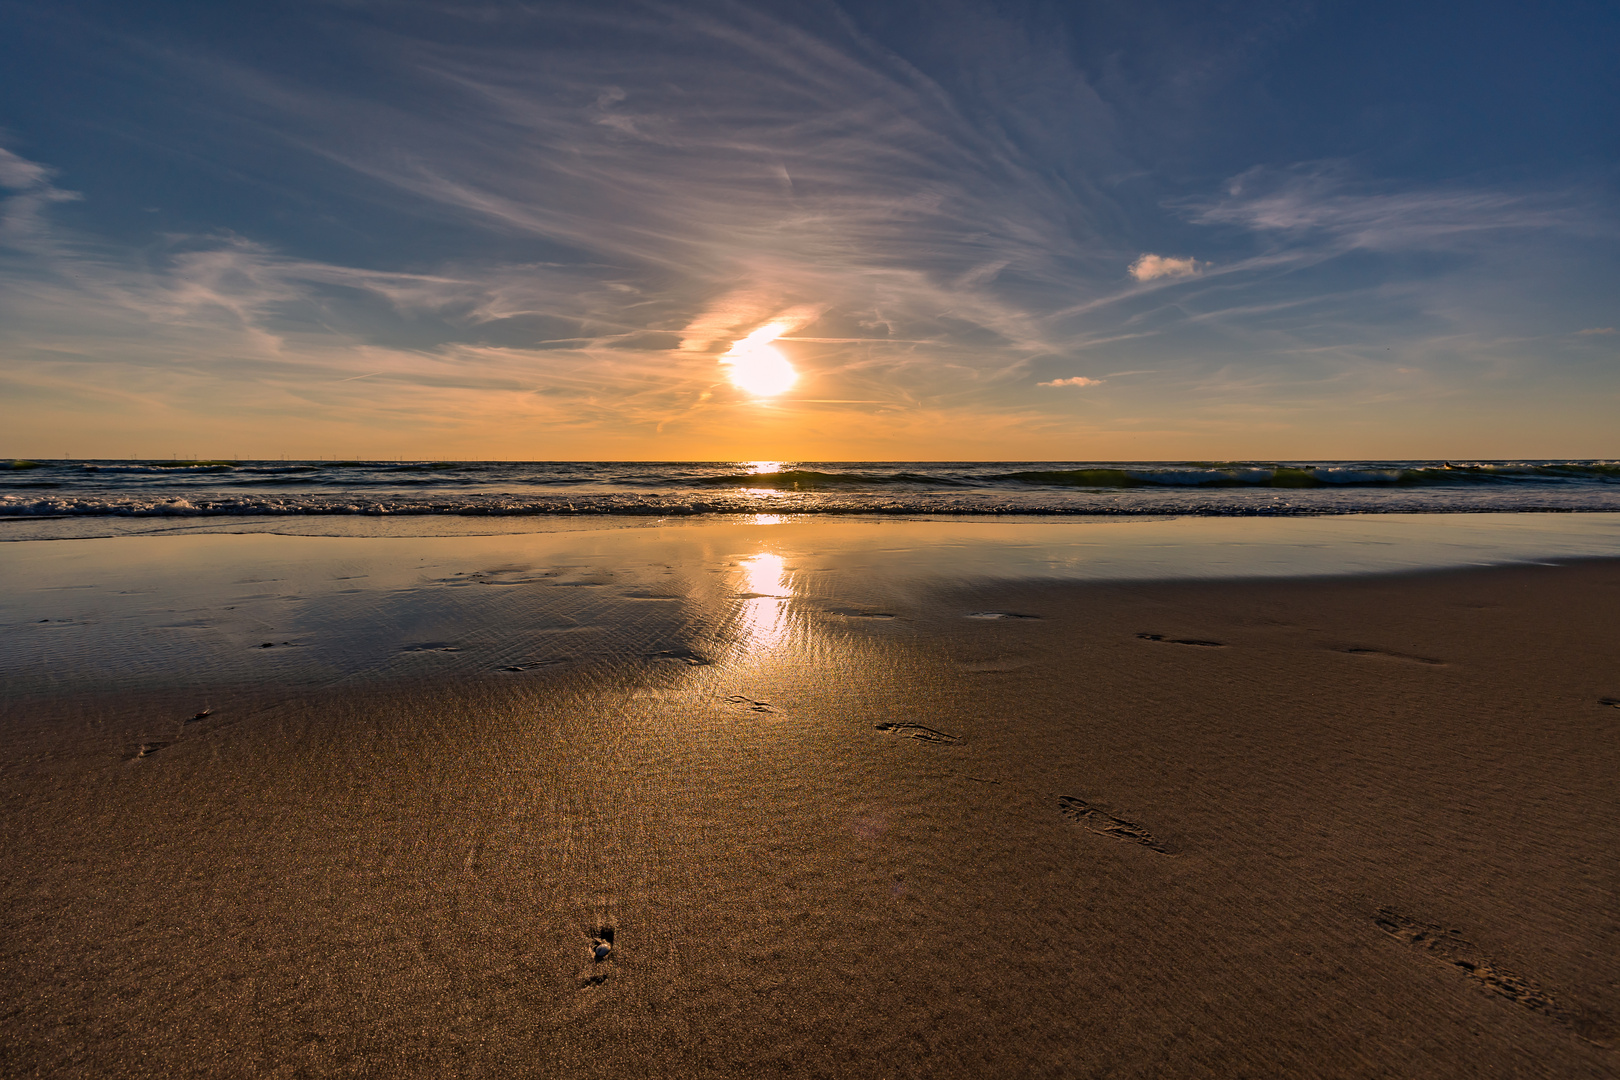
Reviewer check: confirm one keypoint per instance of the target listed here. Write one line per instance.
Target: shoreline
(14, 528)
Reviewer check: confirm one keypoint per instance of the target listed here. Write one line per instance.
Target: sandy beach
(993, 826)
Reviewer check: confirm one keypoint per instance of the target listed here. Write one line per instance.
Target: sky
(1120, 230)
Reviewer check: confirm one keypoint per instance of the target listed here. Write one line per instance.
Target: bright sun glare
(766, 589)
(757, 367)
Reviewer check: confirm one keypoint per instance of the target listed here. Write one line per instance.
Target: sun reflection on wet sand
(765, 590)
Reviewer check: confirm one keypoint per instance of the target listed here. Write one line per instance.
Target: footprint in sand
(751, 704)
(601, 952)
(681, 655)
(1612, 702)
(531, 665)
(997, 615)
(1183, 641)
(1099, 820)
(918, 731)
(1385, 654)
(145, 750)
(205, 714)
(854, 613)
(430, 646)
(1449, 947)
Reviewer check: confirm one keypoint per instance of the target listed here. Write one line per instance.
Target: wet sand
(1340, 827)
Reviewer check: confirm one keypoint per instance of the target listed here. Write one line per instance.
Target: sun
(761, 371)
(757, 367)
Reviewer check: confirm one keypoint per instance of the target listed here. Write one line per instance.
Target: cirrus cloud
(1078, 380)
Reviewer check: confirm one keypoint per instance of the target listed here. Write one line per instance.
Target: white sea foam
(192, 489)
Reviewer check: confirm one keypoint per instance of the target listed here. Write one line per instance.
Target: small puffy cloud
(1148, 266)
(1591, 331)
(1078, 380)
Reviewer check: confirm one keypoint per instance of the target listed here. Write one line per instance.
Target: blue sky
(1014, 230)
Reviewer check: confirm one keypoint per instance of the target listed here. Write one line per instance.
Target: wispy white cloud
(697, 175)
(748, 157)
(19, 174)
(1077, 380)
(1595, 330)
(1320, 201)
(22, 213)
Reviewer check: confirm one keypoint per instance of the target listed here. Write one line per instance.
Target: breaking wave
(246, 488)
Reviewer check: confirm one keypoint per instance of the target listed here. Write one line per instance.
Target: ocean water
(56, 489)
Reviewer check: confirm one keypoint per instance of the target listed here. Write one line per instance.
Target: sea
(32, 490)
